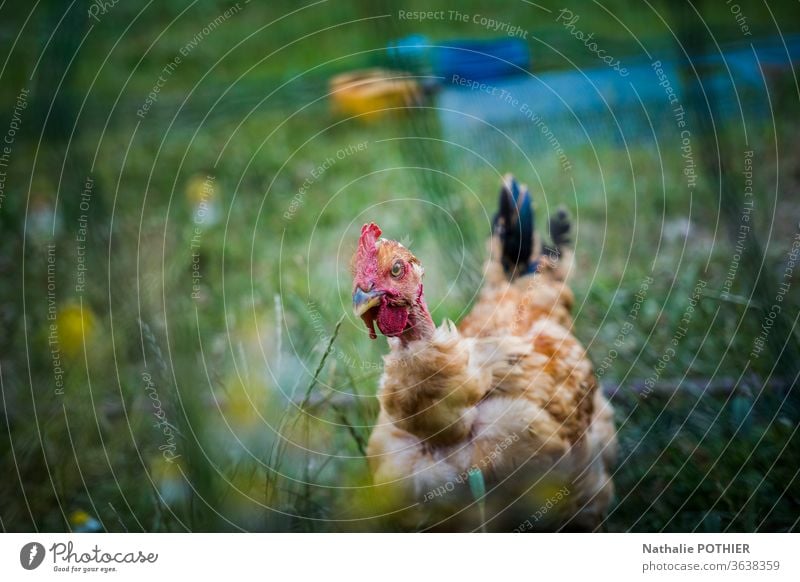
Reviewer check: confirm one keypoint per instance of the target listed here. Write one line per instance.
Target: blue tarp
(600, 103)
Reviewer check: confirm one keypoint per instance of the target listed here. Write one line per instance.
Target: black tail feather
(514, 223)
(560, 224)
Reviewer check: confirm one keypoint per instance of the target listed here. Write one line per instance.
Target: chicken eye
(397, 269)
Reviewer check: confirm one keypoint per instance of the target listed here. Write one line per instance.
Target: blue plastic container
(480, 59)
(469, 59)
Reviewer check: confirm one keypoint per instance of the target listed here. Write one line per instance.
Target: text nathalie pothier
(696, 549)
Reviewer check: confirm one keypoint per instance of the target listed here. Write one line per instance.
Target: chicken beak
(363, 301)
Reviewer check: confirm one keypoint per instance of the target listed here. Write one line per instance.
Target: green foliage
(267, 438)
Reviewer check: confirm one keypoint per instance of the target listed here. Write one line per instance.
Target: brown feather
(510, 391)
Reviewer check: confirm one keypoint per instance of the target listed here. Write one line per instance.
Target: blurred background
(181, 188)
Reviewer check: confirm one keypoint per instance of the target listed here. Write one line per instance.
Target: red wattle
(391, 320)
(369, 320)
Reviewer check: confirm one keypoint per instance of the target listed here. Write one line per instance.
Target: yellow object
(372, 93)
(200, 189)
(82, 522)
(169, 478)
(75, 325)
(79, 518)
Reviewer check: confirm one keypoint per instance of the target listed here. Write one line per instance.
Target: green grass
(234, 368)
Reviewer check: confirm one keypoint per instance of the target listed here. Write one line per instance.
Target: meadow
(205, 371)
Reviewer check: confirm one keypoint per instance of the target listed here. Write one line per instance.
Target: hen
(497, 423)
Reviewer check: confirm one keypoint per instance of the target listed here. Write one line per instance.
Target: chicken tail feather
(560, 254)
(560, 224)
(513, 224)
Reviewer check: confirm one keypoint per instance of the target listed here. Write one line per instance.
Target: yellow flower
(200, 189)
(75, 325)
(82, 522)
(201, 192)
(243, 403)
(79, 517)
(169, 478)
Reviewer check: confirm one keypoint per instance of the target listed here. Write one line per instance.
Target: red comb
(369, 235)
(366, 259)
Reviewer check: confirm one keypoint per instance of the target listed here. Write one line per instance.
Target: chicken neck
(420, 324)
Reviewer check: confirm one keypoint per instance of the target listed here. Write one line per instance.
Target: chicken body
(510, 393)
